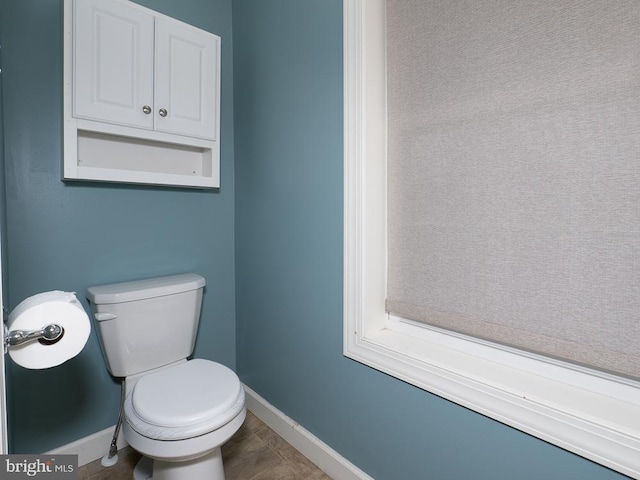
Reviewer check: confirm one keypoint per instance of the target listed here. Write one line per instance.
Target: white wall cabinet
(142, 96)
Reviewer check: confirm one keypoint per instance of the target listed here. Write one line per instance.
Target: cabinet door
(187, 80)
(113, 63)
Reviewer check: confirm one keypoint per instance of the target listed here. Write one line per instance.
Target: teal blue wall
(288, 110)
(288, 250)
(70, 236)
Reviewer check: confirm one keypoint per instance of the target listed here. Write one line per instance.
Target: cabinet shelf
(112, 158)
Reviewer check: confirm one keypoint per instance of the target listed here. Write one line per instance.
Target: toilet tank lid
(143, 289)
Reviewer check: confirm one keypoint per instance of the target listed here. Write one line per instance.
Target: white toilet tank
(146, 324)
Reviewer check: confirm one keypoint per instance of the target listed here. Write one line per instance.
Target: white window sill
(591, 415)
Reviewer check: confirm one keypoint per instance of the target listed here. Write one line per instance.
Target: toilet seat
(184, 401)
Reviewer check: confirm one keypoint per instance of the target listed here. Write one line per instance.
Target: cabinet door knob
(146, 109)
(163, 112)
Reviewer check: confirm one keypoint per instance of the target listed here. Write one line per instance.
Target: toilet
(177, 412)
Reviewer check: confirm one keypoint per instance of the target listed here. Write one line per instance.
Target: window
(593, 414)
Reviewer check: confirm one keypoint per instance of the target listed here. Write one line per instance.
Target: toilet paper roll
(38, 311)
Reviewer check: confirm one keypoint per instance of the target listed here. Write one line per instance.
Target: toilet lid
(194, 396)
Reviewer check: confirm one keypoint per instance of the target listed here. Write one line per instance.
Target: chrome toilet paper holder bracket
(47, 335)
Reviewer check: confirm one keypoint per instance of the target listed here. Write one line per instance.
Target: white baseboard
(327, 459)
(96, 445)
(90, 448)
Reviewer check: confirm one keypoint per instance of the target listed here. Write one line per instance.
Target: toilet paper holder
(47, 335)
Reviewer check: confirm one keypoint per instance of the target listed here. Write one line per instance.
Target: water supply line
(111, 458)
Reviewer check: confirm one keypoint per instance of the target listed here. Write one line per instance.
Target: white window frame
(588, 413)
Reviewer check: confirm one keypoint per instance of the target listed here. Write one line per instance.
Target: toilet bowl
(177, 412)
(180, 416)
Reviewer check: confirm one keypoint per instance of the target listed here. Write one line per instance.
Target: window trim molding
(594, 415)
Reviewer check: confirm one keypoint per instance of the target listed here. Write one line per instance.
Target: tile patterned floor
(254, 453)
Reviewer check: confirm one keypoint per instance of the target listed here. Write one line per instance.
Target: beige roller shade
(514, 173)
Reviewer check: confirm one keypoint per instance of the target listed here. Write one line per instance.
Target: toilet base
(207, 467)
(144, 469)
